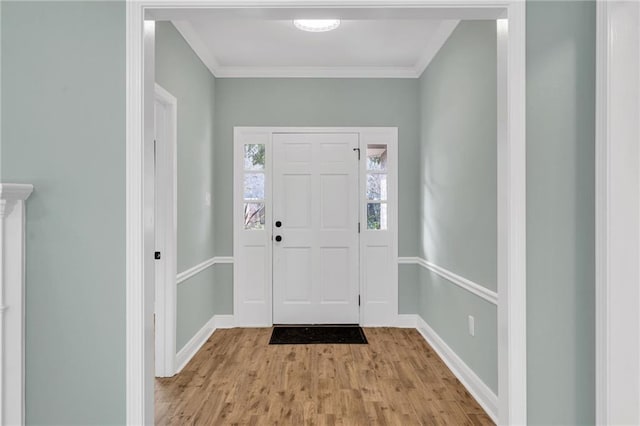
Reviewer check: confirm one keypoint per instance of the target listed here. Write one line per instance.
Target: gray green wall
(560, 212)
(318, 102)
(560, 220)
(182, 73)
(63, 130)
(458, 192)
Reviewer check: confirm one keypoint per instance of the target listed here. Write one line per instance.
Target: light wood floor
(237, 378)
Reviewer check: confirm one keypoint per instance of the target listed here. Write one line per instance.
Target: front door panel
(315, 201)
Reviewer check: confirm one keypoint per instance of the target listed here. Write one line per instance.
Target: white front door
(315, 228)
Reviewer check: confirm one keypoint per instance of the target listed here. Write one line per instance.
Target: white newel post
(12, 236)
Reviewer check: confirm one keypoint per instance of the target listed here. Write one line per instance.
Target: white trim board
(12, 305)
(216, 260)
(407, 321)
(470, 286)
(512, 359)
(617, 212)
(512, 213)
(139, 374)
(191, 348)
(487, 399)
(316, 72)
(199, 47)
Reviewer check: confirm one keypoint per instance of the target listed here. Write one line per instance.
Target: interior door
(315, 228)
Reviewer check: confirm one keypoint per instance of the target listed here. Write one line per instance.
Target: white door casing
(166, 231)
(618, 213)
(315, 201)
(140, 307)
(376, 257)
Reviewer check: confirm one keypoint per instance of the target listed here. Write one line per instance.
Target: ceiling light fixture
(316, 25)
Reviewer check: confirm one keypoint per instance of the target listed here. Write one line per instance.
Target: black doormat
(310, 334)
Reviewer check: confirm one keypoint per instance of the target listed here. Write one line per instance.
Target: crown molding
(192, 38)
(199, 47)
(438, 40)
(315, 72)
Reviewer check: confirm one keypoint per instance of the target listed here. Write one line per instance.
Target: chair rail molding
(216, 260)
(12, 236)
(453, 278)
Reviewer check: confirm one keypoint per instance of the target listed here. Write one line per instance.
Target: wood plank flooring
(238, 378)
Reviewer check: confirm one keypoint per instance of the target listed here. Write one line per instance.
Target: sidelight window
(254, 184)
(377, 174)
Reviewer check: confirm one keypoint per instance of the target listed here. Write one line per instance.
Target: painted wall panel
(459, 192)
(408, 280)
(561, 212)
(376, 259)
(63, 130)
(446, 308)
(223, 283)
(181, 73)
(459, 155)
(194, 304)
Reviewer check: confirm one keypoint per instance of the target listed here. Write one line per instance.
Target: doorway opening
(511, 178)
(165, 223)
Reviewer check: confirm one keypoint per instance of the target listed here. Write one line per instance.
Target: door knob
(278, 224)
(278, 238)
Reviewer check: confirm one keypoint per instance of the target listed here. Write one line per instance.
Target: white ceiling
(244, 43)
(240, 47)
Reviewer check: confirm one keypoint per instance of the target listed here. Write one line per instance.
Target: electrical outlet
(472, 326)
(207, 199)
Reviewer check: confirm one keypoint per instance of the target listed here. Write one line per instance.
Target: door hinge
(358, 300)
(358, 227)
(357, 149)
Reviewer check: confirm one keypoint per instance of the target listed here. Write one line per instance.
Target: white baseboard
(192, 347)
(407, 321)
(224, 321)
(476, 387)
